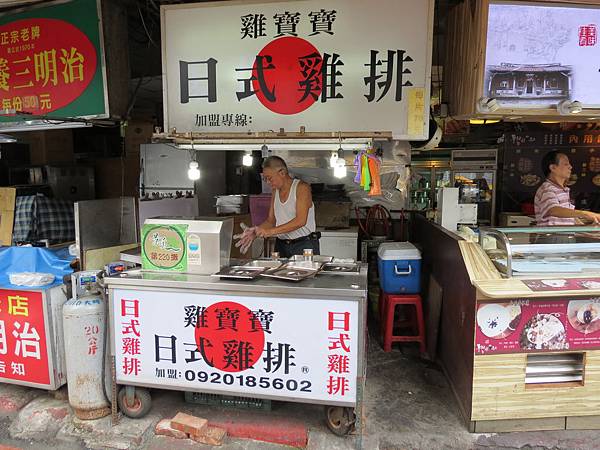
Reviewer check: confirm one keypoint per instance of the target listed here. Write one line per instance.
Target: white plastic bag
(31, 278)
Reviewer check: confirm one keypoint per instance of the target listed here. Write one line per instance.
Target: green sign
(52, 62)
(164, 247)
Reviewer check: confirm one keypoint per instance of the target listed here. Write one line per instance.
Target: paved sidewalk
(408, 405)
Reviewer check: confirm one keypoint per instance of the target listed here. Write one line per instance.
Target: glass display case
(539, 251)
(427, 178)
(474, 173)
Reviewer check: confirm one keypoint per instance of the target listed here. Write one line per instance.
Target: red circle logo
(230, 338)
(287, 76)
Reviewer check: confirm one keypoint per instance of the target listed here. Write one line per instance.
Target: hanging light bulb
(193, 171)
(247, 159)
(333, 159)
(339, 171)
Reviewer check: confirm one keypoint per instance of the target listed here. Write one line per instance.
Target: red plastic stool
(387, 309)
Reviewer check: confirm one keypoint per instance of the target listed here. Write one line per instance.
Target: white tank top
(284, 212)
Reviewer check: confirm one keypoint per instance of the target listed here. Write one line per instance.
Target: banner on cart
(522, 326)
(23, 346)
(301, 348)
(328, 65)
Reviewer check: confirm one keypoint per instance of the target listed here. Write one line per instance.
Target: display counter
(521, 351)
(265, 338)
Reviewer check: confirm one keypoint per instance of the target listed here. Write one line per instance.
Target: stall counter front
(520, 353)
(295, 341)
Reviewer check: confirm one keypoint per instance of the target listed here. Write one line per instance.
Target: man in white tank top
(292, 213)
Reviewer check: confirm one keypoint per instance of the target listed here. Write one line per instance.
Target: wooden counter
(491, 389)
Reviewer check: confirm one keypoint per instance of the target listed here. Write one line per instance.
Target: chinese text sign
(300, 348)
(331, 65)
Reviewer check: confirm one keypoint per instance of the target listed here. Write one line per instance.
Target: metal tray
(305, 265)
(316, 258)
(290, 273)
(265, 263)
(240, 272)
(338, 268)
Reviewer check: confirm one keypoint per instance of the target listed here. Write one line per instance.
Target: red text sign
(45, 64)
(23, 351)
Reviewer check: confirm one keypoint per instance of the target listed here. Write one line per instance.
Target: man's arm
(559, 211)
(303, 204)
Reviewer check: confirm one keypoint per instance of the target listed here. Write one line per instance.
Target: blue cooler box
(399, 266)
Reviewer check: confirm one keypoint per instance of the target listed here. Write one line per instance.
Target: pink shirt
(549, 195)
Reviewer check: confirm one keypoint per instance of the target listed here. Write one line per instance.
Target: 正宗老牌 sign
(51, 61)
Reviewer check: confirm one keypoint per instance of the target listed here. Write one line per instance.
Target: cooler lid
(393, 251)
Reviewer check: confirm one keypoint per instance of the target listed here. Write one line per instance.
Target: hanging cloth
(366, 181)
(358, 166)
(374, 165)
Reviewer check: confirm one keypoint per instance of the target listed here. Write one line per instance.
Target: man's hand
(592, 217)
(264, 232)
(246, 238)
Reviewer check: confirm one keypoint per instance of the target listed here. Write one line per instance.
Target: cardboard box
(7, 214)
(332, 214)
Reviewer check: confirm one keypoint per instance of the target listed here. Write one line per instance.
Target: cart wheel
(339, 420)
(142, 402)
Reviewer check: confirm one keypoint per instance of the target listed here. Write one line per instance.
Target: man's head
(556, 165)
(275, 171)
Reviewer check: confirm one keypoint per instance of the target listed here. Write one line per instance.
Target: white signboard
(273, 347)
(327, 65)
(540, 55)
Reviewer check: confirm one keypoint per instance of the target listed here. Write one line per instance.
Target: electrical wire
(146, 28)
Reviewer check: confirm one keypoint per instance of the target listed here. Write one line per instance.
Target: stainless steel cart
(265, 338)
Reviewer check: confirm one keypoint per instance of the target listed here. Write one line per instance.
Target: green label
(164, 247)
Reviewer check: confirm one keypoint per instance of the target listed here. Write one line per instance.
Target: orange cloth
(375, 179)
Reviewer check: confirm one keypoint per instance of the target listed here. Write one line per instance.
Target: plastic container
(399, 266)
(259, 208)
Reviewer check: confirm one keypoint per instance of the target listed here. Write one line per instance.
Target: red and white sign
(523, 326)
(328, 65)
(45, 64)
(275, 347)
(23, 347)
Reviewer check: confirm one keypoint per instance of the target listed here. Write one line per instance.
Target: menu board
(522, 165)
(540, 325)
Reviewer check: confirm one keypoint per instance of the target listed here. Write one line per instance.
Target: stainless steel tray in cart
(266, 263)
(240, 272)
(340, 268)
(316, 258)
(294, 271)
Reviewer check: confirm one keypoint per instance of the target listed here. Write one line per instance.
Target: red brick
(164, 428)
(191, 425)
(211, 436)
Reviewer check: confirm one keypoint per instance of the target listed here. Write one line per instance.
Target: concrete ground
(408, 405)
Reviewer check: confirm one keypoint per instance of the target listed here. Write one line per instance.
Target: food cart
(251, 336)
(520, 325)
